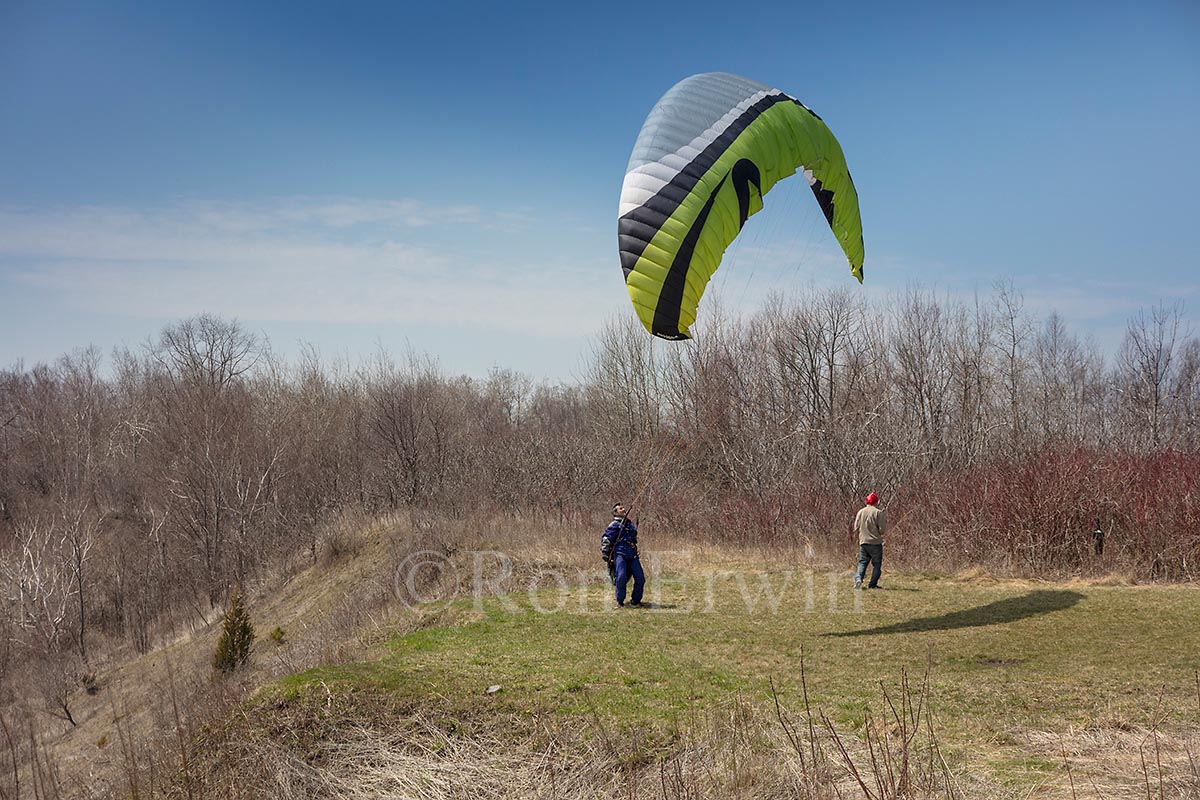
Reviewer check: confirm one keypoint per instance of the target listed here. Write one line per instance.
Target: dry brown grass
(138, 736)
(1165, 762)
(323, 607)
(975, 574)
(1110, 579)
(320, 745)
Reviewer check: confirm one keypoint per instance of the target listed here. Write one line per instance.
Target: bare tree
(625, 379)
(80, 528)
(203, 431)
(411, 424)
(39, 577)
(1186, 391)
(1145, 365)
(923, 374)
(972, 383)
(11, 440)
(1013, 332)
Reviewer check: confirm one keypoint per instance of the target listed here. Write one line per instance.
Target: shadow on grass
(1007, 610)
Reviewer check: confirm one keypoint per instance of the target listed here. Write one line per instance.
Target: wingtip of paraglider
(858, 273)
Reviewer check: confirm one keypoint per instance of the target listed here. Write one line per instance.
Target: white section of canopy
(688, 118)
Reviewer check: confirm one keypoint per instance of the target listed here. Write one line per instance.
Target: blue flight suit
(618, 545)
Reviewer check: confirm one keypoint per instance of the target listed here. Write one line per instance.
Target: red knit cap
(872, 499)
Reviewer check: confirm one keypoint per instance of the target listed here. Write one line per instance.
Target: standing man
(618, 548)
(869, 524)
(1098, 540)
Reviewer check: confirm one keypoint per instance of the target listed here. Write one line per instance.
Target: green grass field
(1013, 666)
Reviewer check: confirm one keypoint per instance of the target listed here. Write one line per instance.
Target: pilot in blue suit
(618, 548)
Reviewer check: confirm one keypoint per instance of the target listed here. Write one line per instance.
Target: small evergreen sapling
(237, 635)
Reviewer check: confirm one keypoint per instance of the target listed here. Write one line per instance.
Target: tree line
(146, 486)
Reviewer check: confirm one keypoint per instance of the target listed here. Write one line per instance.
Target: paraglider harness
(611, 558)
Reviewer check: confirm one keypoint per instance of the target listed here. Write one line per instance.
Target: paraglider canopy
(707, 154)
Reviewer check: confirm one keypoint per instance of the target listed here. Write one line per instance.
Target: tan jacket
(870, 524)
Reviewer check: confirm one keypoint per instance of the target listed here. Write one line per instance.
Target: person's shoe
(874, 586)
(858, 583)
(637, 604)
(619, 605)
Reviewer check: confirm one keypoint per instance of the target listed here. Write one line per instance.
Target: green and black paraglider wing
(709, 151)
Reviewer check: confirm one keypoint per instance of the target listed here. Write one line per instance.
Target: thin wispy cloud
(476, 274)
(324, 260)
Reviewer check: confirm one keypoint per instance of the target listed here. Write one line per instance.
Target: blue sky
(445, 175)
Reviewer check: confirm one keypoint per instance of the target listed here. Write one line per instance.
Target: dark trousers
(870, 554)
(629, 566)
